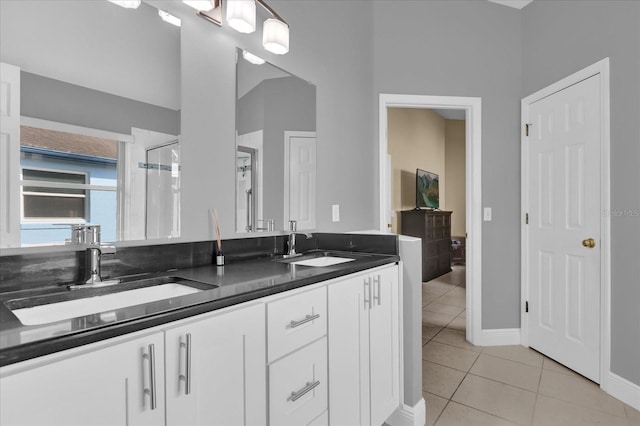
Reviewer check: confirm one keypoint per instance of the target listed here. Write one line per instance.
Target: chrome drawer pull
(151, 390)
(376, 280)
(308, 318)
(187, 373)
(306, 389)
(367, 293)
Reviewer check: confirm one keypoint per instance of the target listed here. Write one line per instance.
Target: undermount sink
(51, 312)
(323, 261)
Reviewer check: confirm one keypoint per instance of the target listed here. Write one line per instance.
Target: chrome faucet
(292, 239)
(93, 260)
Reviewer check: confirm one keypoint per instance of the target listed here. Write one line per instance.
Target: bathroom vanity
(262, 341)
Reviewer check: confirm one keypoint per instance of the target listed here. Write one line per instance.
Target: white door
(9, 155)
(300, 181)
(564, 225)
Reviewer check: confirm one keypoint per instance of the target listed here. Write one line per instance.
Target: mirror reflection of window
(66, 179)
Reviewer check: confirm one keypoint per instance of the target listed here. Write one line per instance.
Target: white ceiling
(518, 4)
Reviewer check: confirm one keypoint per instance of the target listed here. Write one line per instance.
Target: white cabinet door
(384, 345)
(348, 351)
(224, 382)
(102, 387)
(364, 348)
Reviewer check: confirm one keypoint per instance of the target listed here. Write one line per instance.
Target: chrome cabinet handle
(186, 377)
(367, 292)
(151, 390)
(376, 280)
(308, 318)
(306, 389)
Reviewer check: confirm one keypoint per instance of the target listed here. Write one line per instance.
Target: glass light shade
(241, 15)
(169, 18)
(129, 4)
(275, 36)
(200, 5)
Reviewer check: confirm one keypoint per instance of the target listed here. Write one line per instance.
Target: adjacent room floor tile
(436, 318)
(440, 380)
(633, 415)
(449, 356)
(516, 353)
(458, 323)
(580, 391)
(442, 308)
(551, 411)
(435, 285)
(508, 402)
(457, 338)
(429, 331)
(459, 415)
(509, 372)
(435, 405)
(453, 299)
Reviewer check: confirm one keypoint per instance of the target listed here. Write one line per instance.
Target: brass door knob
(589, 242)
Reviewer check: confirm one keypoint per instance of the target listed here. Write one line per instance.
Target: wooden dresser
(434, 227)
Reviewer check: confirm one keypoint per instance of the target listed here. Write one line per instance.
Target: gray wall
(468, 48)
(54, 100)
(560, 38)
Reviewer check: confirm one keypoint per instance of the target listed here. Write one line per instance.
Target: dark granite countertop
(221, 287)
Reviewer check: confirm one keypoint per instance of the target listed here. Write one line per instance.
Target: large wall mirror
(99, 89)
(275, 147)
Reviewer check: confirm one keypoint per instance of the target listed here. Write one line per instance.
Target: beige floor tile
(516, 353)
(459, 415)
(440, 380)
(580, 391)
(454, 299)
(509, 372)
(429, 331)
(435, 285)
(550, 412)
(449, 356)
(457, 338)
(442, 308)
(458, 292)
(435, 405)
(429, 295)
(551, 365)
(463, 314)
(507, 402)
(436, 318)
(458, 323)
(633, 415)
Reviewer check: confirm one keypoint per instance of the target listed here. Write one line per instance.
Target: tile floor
(467, 385)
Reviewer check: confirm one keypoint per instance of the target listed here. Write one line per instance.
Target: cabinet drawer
(294, 321)
(298, 386)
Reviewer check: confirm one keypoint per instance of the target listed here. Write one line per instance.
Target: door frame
(602, 68)
(473, 167)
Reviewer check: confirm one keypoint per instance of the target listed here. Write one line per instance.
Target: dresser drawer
(294, 321)
(298, 386)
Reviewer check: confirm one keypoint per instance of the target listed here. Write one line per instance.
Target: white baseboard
(499, 337)
(622, 389)
(406, 415)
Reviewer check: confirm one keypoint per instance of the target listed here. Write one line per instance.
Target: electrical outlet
(335, 212)
(487, 214)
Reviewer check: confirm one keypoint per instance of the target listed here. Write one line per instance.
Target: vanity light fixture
(250, 57)
(241, 16)
(128, 4)
(169, 18)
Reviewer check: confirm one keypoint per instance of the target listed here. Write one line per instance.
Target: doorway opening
(471, 107)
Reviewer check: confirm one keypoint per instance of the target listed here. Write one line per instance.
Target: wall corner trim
(406, 415)
(622, 389)
(499, 337)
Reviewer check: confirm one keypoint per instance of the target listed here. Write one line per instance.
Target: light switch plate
(487, 214)
(335, 212)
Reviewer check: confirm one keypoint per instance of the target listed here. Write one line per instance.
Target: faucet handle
(293, 225)
(107, 248)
